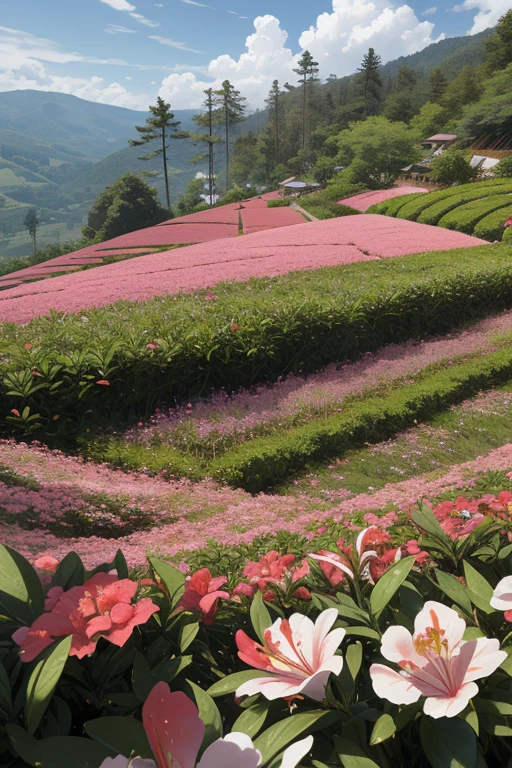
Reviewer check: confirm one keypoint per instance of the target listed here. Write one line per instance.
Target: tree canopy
(126, 206)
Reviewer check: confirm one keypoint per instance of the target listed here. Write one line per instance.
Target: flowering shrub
(388, 647)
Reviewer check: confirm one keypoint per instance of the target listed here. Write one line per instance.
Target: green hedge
(266, 462)
(491, 227)
(329, 210)
(413, 209)
(434, 213)
(282, 202)
(297, 322)
(392, 206)
(465, 217)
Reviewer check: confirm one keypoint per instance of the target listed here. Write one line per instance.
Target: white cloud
(142, 20)
(119, 5)
(489, 11)
(173, 43)
(430, 11)
(115, 29)
(338, 41)
(200, 5)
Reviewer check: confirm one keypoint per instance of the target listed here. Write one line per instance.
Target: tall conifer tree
(209, 119)
(232, 108)
(306, 70)
(371, 79)
(160, 126)
(437, 84)
(274, 103)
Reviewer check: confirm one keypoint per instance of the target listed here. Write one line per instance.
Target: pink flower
(435, 661)
(202, 594)
(334, 574)
(298, 656)
(46, 563)
(413, 548)
(52, 598)
(102, 607)
(276, 569)
(502, 597)
(175, 732)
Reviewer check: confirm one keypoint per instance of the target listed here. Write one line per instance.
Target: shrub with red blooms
(368, 650)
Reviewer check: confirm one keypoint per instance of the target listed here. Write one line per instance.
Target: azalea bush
(392, 647)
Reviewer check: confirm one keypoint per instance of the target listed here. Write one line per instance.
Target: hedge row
(67, 374)
(491, 227)
(465, 217)
(393, 205)
(434, 213)
(329, 210)
(263, 463)
(411, 210)
(282, 202)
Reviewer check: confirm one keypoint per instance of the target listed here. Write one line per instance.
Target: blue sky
(125, 52)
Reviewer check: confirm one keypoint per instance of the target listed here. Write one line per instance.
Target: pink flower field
(275, 252)
(365, 200)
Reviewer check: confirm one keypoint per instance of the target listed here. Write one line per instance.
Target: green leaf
(57, 751)
(425, 519)
(492, 707)
(383, 729)
(208, 712)
(188, 635)
(43, 681)
(5, 692)
(260, 617)
(121, 565)
(70, 572)
(172, 578)
(362, 632)
(454, 589)
(480, 591)
(386, 586)
(252, 720)
(230, 683)
(351, 755)
(21, 593)
(143, 680)
(123, 735)
(448, 742)
(278, 736)
(354, 659)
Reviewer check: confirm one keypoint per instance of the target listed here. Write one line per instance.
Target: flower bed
(365, 200)
(389, 645)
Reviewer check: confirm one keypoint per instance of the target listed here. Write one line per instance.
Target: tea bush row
(491, 226)
(411, 210)
(434, 213)
(65, 375)
(262, 463)
(394, 204)
(465, 217)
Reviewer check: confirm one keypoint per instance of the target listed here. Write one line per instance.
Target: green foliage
(234, 195)
(283, 202)
(126, 206)
(465, 217)
(437, 84)
(431, 119)
(413, 208)
(190, 199)
(452, 202)
(265, 462)
(392, 206)
(452, 167)
(297, 322)
(371, 81)
(376, 150)
(492, 113)
(491, 226)
(498, 47)
(504, 168)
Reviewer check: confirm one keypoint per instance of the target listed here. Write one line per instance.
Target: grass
(464, 432)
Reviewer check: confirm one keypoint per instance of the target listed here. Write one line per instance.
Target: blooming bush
(388, 647)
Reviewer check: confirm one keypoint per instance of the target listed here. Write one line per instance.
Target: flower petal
(325, 559)
(232, 751)
(486, 658)
(502, 596)
(295, 752)
(397, 646)
(173, 727)
(392, 686)
(442, 706)
(447, 619)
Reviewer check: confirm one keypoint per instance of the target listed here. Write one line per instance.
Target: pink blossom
(501, 599)
(298, 656)
(202, 594)
(46, 563)
(175, 733)
(435, 661)
(102, 607)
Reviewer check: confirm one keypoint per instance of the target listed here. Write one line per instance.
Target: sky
(127, 52)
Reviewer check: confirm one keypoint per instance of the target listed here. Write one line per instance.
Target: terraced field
(480, 208)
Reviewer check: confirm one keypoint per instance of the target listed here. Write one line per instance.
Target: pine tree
(232, 110)
(32, 222)
(371, 79)
(306, 70)
(209, 120)
(437, 84)
(161, 126)
(274, 103)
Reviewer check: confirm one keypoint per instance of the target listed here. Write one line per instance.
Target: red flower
(151, 346)
(46, 563)
(103, 383)
(413, 548)
(27, 345)
(202, 594)
(15, 412)
(102, 607)
(333, 575)
(234, 327)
